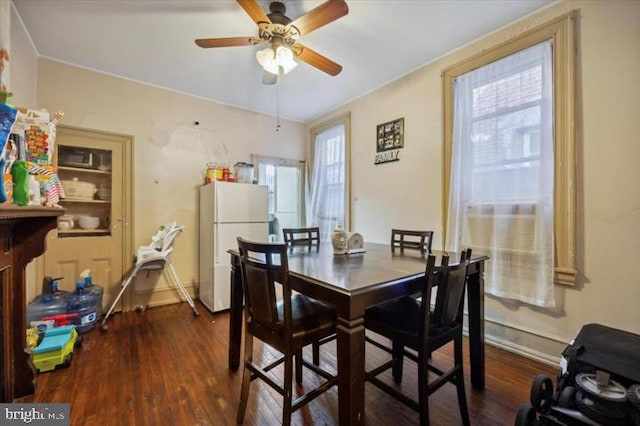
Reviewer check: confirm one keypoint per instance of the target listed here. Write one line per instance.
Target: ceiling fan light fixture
(271, 60)
(284, 57)
(267, 59)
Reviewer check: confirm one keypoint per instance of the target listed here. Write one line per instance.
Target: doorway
(285, 180)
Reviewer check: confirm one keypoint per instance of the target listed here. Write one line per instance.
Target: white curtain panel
(501, 189)
(327, 192)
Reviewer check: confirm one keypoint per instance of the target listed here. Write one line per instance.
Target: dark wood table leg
(350, 371)
(235, 314)
(475, 287)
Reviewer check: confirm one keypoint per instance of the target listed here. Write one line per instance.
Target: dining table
(351, 283)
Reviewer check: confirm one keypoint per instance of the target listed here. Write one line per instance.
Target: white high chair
(151, 258)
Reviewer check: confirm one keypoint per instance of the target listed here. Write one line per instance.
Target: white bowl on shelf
(88, 222)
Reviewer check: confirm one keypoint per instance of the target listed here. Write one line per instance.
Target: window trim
(562, 33)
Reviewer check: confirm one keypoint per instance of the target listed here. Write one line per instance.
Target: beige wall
(608, 175)
(23, 65)
(170, 152)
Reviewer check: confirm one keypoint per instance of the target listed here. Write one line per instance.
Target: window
(504, 125)
(329, 190)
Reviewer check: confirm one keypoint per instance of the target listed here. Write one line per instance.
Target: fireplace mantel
(22, 237)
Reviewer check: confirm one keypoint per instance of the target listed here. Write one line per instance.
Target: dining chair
(302, 236)
(309, 237)
(414, 325)
(287, 325)
(409, 239)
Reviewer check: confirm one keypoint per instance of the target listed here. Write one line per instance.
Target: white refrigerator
(227, 210)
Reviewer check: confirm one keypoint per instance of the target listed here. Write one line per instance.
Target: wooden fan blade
(254, 10)
(320, 16)
(225, 42)
(316, 60)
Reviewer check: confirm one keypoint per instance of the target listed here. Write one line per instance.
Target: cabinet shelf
(84, 170)
(83, 233)
(83, 200)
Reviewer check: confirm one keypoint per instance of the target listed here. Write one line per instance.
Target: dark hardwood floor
(165, 367)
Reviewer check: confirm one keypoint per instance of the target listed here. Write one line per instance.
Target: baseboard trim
(524, 341)
(523, 351)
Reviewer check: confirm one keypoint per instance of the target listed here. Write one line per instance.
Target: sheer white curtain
(326, 206)
(501, 183)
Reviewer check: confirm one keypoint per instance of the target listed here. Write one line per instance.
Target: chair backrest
(450, 291)
(408, 239)
(302, 236)
(264, 265)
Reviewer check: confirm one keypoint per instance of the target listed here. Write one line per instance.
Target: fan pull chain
(278, 125)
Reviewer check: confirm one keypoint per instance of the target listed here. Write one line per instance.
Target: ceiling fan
(280, 36)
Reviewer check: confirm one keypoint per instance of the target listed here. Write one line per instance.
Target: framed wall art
(389, 140)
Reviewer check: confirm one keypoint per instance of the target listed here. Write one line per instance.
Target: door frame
(286, 162)
(127, 221)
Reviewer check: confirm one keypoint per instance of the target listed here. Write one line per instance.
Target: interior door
(101, 163)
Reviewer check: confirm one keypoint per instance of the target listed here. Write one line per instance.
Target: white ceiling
(152, 41)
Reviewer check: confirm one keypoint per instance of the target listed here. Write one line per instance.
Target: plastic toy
(56, 349)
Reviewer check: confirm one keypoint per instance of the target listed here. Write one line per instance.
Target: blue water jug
(45, 305)
(89, 286)
(85, 304)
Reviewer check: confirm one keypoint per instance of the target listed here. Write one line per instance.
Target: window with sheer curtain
(501, 187)
(509, 160)
(328, 194)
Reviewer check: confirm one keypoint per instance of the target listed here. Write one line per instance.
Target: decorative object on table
(355, 243)
(339, 240)
(389, 140)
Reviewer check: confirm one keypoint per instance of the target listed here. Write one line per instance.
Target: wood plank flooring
(163, 366)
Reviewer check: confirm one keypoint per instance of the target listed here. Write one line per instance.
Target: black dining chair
(287, 325)
(413, 324)
(309, 237)
(410, 239)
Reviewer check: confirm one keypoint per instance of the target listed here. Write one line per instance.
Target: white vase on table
(339, 240)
